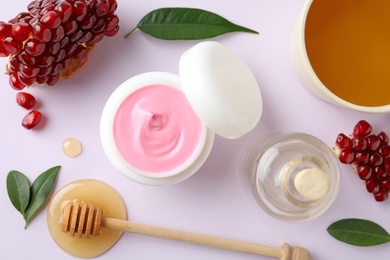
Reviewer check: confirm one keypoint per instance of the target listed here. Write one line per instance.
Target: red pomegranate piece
(369, 155)
(25, 100)
(54, 33)
(31, 119)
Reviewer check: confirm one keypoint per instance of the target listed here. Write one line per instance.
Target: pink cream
(156, 130)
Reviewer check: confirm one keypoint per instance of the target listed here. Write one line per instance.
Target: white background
(213, 201)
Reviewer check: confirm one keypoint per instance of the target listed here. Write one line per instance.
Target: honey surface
(348, 44)
(97, 193)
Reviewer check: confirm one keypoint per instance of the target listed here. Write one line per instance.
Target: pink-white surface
(213, 201)
(156, 130)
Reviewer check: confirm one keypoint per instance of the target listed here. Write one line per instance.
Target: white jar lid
(221, 89)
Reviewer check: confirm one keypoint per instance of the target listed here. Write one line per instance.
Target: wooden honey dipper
(85, 219)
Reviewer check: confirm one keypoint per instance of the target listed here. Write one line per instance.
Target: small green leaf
(40, 191)
(18, 189)
(186, 24)
(359, 232)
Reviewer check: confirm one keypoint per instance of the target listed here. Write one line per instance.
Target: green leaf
(186, 24)
(358, 232)
(40, 191)
(18, 189)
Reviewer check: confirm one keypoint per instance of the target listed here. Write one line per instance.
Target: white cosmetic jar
(220, 88)
(304, 68)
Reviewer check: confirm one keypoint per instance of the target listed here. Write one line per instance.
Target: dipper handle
(86, 219)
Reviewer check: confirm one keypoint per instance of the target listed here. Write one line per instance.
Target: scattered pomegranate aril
(369, 156)
(31, 119)
(25, 100)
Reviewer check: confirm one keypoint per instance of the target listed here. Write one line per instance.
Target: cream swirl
(156, 130)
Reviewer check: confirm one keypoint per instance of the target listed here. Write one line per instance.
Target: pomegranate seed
(31, 119)
(372, 185)
(359, 143)
(364, 171)
(65, 10)
(80, 10)
(379, 171)
(12, 45)
(43, 72)
(34, 47)
(381, 196)
(53, 47)
(25, 58)
(386, 163)
(362, 129)
(64, 42)
(112, 22)
(385, 184)
(347, 156)
(86, 37)
(46, 9)
(343, 141)
(27, 81)
(70, 27)
(383, 137)
(88, 22)
(74, 37)
(70, 48)
(362, 158)
(21, 31)
(385, 151)
(52, 79)
(25, 100)
(375, 159)
(57, 34)
(99, 26)
(373, 142)
(28, 71)
(14, 64)
(102, 7)
(96, 38)
(15, 82)
(60, 55)
(33, 5)
(5, 30)
(113, 5)
(80, 53)
(57, 68)
(46, 60)
(51, 19)
(41, 32)
(66, 62)
(3, 51)
(112, 32)
(41, 80)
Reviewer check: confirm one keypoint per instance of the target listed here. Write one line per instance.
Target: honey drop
(71, 147)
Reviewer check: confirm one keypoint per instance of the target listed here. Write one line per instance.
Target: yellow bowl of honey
(341, 52)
